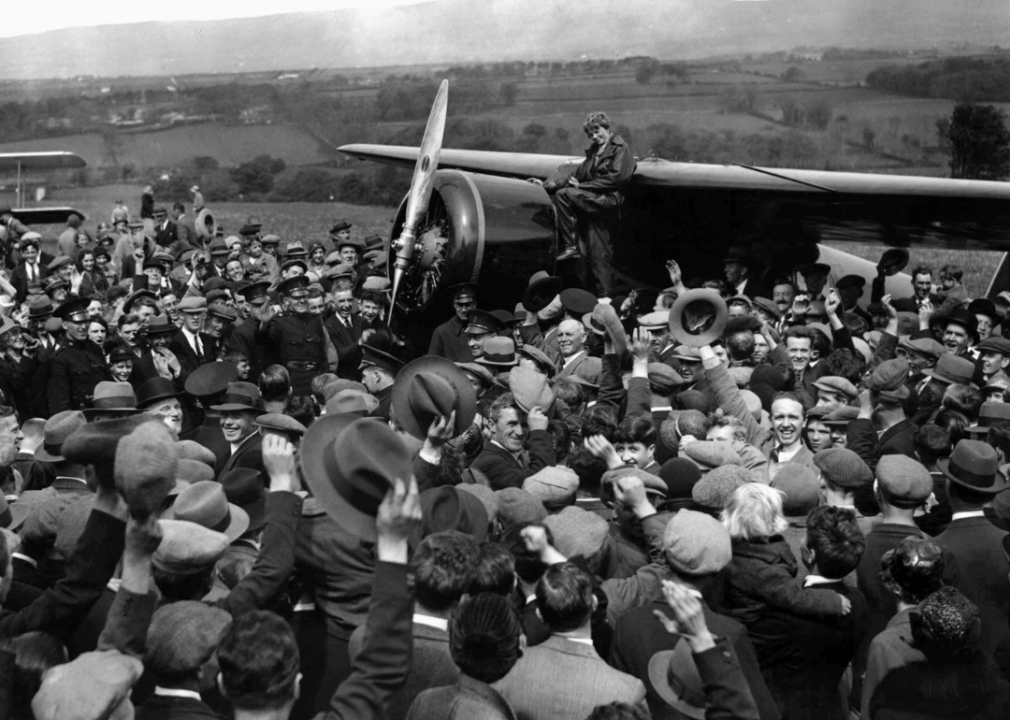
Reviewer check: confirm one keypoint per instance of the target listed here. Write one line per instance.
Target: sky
(25, 18)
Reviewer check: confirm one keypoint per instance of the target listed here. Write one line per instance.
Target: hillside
(455, 31)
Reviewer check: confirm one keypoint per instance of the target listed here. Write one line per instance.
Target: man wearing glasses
(449, 340)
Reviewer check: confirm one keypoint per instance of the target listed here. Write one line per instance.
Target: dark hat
(463, 289)
(39, 308)
(379, 358)
(374, 241)
(663, 379)
(341, 224)
(498, 352)
(182, 637)
(989, 414)
(577, 301)
(58, 262)
(844, 468)
(205, 504)
(538, 356)
(293, 285)
(431, 387)
(75, 310)
(973, 465)
(160, 325)
(350, 464)
(541, 290)
(952, 369)
(481, 321)
(737, 253)
(924, 347)
(353, 242)
(680, 476)
(254, 291)
(674, 675)
(957, 316)
(211, 379)
(983, 306)
(698, 317)
(841, 416)
(134, 296)
(903, 482)
(121, 353)
(219, 247)
(112, 399)
(282, 424)
(55, 433)
(160, 257)
(240, 396)
(893, 261)
(915, 568)
(856, 281)
(947, 625)
(292, 263)
(295, 249)
(768, 307)
(995, 344)
(156, 389)
(245, 489)
(815, 269)
(504, 317)
(443, 508)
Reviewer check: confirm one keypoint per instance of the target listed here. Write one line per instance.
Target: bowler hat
(431, 387)
(206, 504)
(155, 389)
(974, 465)
(541, 290)
(698, 317)
(957, 316)
(211, 379)
(55, 433)
(499, 351)
(350, 464)
(952, 369)
(244, 488)
(240, 396)
(983, 306)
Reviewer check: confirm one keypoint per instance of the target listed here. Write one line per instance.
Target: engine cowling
(478, 228)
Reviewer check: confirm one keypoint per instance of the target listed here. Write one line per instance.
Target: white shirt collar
(967, 514)
(177, 692)
(811, 580)
(439, 623)
(574, 357)
(584, 641)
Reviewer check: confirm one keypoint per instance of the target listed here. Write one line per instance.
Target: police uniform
(77, 367)
(298, 339)
(449, 339)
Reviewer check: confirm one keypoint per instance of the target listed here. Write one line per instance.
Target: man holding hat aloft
(974, 478)
(77, 366)
(299, 337)
(516, 423)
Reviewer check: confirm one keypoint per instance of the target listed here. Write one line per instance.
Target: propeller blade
(420, 188)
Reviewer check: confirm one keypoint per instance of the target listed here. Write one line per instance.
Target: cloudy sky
(25, 18)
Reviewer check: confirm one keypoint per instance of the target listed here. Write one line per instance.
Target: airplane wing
(865, 207)
(45, 215)
(58, 160)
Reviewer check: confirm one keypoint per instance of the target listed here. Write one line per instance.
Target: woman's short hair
(596, 120)
(754, 512)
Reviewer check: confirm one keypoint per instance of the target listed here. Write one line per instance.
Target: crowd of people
(231, 489)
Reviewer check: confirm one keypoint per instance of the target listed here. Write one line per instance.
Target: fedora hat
(893, 261)
(206, 504)
(350, 464)
(95, 443)
(112, 399)
(431, 387)
(40, 308)
(499, 351)
(989, 414)
(974, 465)
(530, 389)
(951, 369)
(211, 379)
(55, 433)
(240, 396)
(541, 289)
(675, 676)
(155, 389)
(698, 317)
(160, 325)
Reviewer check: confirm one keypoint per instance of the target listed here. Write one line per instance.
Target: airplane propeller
(420, 189)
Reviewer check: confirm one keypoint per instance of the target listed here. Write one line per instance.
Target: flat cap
(187, 548)
(841, 416)
(834, 383)
(192, 304)
(663, 379)
(926, 347)
(844, 468)
(652, 483)
(715, 486)
(799, 485)
(553, 486)
(182, 637)
(577, 532)
(709, 454)
(517, 506)
(659, 320)
(995, 344)
(696, 543)
(577, 301)
(279, 422)
(903, 481)
(889, 375)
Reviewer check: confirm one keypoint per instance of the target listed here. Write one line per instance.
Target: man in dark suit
(208, 386)
(242, 405)
(973, 479)
(346, 330)
(502, 459)
(805, 678)
(192, 347)
(449, 339)
(443, 566)
(922, 285)
(31, 271)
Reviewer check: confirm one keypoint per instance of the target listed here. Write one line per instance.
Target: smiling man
(787, 423)
(957, 331)
(449, 339)
(242, 404)
(994, 356)
(575, 360)
(501, 460)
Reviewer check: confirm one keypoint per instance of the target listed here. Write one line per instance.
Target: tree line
(957, 78)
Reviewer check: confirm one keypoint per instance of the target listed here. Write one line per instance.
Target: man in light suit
(563, 678)
(574, 358)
